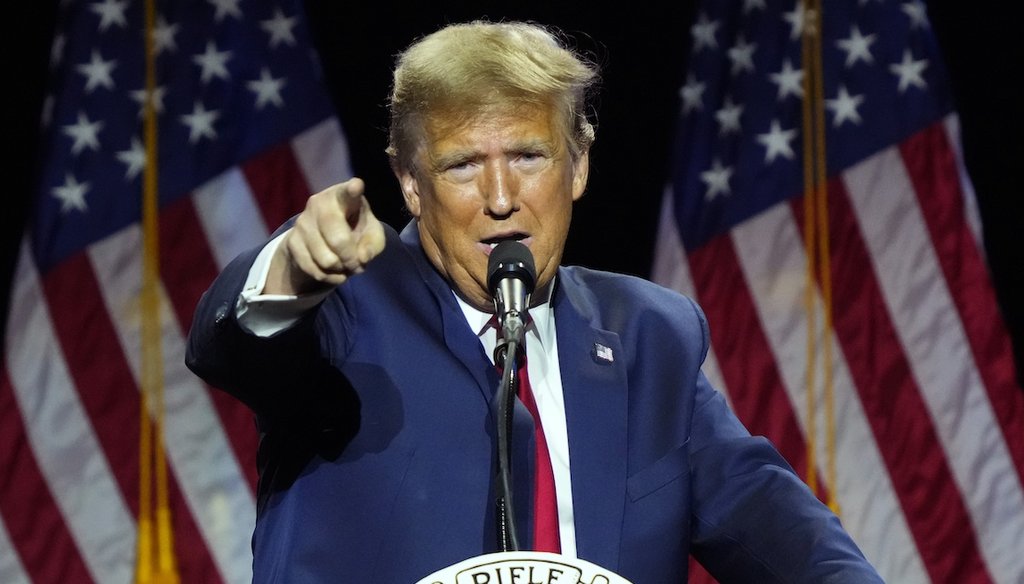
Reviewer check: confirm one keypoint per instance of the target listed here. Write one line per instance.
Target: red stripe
(278, 184)
(744, 355)
(37, 531)
(109, 394)
(931, 164)
(187, 269)
(892, 402)
(97, 366)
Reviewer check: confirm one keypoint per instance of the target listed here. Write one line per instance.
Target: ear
(581, 170)
(410, 190)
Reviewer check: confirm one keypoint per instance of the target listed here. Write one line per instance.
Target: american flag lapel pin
(603, 354)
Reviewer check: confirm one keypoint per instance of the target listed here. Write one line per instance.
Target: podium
(523, 568)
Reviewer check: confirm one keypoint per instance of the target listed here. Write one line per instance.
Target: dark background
(642, 51)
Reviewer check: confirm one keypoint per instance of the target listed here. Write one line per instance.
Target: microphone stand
(506, 354)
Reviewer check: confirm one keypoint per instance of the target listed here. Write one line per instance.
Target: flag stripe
(94, 361)
(877, 361)
(972, 215)
(671, 269)
(211, 481)
(33, 520)
(11, 570)
(941, 364)
(771, 254)
(186, 264)
(61, 436)
(322, 154)
(931, 160)
(277, 184)
(224, 205)
(750, 373)
(92, 353)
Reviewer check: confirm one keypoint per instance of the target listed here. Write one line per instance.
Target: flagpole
(152, 435)
(816, 238)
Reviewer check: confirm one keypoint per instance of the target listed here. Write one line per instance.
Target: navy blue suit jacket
(377, 452)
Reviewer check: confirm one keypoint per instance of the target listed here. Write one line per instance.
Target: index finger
(350, 199)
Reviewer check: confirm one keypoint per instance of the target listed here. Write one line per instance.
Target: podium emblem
(524, 568)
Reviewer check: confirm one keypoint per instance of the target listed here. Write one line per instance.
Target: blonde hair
(470, 66)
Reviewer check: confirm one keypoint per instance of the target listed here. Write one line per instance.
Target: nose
(500, 189)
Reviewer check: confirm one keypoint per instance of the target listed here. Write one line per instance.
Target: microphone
(511, 276)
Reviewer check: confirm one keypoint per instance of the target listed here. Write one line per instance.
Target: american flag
(245, 132)
(928, 437)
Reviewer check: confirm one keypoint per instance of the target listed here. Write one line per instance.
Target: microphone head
(511, 259)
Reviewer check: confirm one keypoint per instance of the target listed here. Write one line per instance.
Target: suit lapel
(467, 348)
(462, 341)
(594, 384)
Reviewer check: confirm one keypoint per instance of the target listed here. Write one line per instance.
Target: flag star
(909, 71)
(789, 80)
(163, 36)
(844, 106)
(703, 32)
(917, 12)
(857, 47)
(729, 117)
(85, 134)
(97, 72)
(134, 159)
(692, 94)
(749, 5)
(200, 123)
(111, 12)
(717, 180)
(267, 89)
(213, 63)
(796, 19)
(776, 142)
(742, 56)
(71, 194)
(280, 29)
(226, 8)
(157, 99)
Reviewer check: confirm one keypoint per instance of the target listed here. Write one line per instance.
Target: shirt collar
(540, 324)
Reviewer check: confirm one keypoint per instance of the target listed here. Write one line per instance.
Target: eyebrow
(448, 159)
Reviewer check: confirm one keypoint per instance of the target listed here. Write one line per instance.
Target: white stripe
(199, 452)
(940, 357)
(671, 269)
(771, 255)
(323, 155)
(11, 570)
(229, 215)
(70, 456)
(971, 212)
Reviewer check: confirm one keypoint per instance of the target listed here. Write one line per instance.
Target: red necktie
(545, 506)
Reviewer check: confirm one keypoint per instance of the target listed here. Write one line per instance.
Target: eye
(530, 159)
(461, 171)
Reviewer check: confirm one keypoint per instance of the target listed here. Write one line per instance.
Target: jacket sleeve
(254, 369)
(754, 520)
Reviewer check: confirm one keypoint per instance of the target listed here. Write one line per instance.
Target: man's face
(506, 173)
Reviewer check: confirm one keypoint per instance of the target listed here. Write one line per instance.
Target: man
(366, 356)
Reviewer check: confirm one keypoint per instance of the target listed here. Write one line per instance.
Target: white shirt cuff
(266, 314)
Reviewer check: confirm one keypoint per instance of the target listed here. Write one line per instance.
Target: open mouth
(492, 242)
